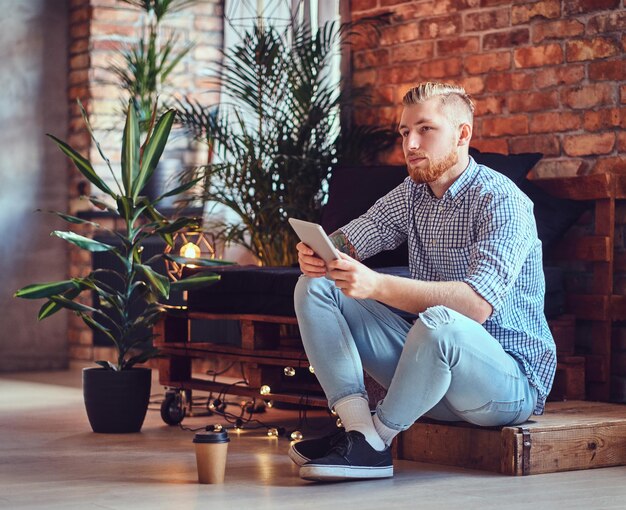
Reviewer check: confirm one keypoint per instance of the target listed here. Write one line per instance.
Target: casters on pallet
(173, 407)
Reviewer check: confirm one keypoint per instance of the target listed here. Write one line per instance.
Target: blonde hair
(456, 102)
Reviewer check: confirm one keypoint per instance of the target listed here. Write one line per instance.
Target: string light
(272, 432)
(269, 403)
(311, 369)
(265, 390)
(339, 423)
(296, 435)
(333, 412)
(218, 427)
(289, 371)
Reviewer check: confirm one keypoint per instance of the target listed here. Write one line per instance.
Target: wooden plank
(580, 187)
(588, 306)
(588, 249)
(578, 448)
(618, 308)
(280, 319)
(199, 349)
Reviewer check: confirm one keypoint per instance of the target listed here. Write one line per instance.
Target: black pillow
(514, 166)
(553, 215)
(351, 192)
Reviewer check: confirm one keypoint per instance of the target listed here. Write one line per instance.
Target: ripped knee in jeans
(436, 316)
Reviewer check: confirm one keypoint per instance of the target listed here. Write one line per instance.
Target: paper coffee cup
(211, 449)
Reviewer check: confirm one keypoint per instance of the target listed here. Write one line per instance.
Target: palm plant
(147, 65)
(138, 282)
(275, 136)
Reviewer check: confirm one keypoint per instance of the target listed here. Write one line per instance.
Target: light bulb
(272, 432)
(190, 251)
(289, 371)
(311, 369)
(339, 424)
(269, 403)
(217, 427)
(265, 390)
(296, 435)
(333, 412)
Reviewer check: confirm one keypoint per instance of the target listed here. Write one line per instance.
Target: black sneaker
(350, 458)
(311, 449)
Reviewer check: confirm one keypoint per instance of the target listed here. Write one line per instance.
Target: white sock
(355, 414)
(385, 433)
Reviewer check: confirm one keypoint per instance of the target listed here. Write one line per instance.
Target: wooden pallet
(569, 436)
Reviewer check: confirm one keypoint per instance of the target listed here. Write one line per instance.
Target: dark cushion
(514, 166)
(351, 192)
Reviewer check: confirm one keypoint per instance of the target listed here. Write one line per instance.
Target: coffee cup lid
(211, 436)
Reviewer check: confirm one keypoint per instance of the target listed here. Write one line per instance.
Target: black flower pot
(116, 402)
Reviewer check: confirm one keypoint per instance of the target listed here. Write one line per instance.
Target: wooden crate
(569, 436)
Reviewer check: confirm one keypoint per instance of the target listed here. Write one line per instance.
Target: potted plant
(275, 136)
(117, 392)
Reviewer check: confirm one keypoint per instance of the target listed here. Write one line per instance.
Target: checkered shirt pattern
(481, 232)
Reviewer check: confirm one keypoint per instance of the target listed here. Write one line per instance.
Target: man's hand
(310, 264)
(353, 278)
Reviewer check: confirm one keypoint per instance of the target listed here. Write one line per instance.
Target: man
(480, 351)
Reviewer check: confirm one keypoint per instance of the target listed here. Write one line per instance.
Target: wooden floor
(50, 459)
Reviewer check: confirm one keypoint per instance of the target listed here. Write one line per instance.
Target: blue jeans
(445, 366)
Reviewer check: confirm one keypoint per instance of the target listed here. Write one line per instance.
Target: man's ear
(465, 134)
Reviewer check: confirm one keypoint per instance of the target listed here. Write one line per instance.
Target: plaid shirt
(481, 232)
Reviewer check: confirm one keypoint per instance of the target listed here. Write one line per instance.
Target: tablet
(314, 237)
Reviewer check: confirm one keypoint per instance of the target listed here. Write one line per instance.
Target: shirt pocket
(453, 263)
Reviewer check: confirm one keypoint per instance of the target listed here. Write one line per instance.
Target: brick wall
(97, 30)
(546, 76)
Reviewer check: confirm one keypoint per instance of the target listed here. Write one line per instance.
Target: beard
(431, 170)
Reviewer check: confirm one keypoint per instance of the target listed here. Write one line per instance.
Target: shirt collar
(463, 183)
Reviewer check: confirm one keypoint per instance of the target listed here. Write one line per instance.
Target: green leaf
(200, 262)
(177, 225)
(44, 290)
(153, 151)
(151, 213)
(71, 305)
(130, 150)
(73, 219)
(50, 307)
(158, 283)
(125, 207)
(194, 282)
(83, 242)
(180, 189)
(96, 326)
(108, 365)
(83, 166)
(144, 356)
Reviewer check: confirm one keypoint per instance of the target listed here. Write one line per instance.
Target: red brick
(98, 29)
(487, 19)
(583, 6)
(383, 95)
(588, 144)
(473, 85)
(80, 15)
(80, 61)
(610, 165)
(555, 122)
(370, 58)
(81, 77)
(208, 24)
(567, 75)
(591, 49)
(363, 5)
(440, 27)
(442, 68)
(622, 94)
(501, 82)
(548, 145)
(115, 15)
(498, 145)
(492, 105)
(399, 74)
(610, 22)
(399, 34)
(79, 30)
(499, 126)
(588, 96)
(607, 118)
(545, 9)
(539, 56)
(386, 3)
(505, 39)
(456, 46)
(561, 29)
(412, 52)
(362, 78)
(79, 46)
(609, 70)
(557, 168)
(487, 62)
(533, 101)
(621, 143)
